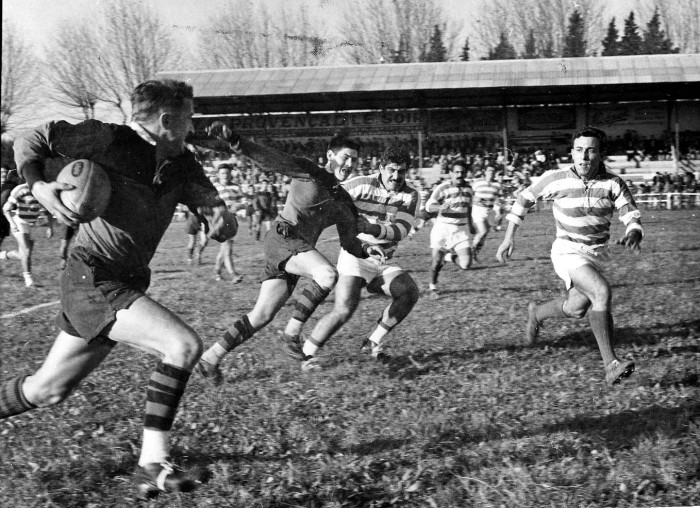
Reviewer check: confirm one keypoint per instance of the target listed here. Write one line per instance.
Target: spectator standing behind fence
(22, 211)
(585, 196)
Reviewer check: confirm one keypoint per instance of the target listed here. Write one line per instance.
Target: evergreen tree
(575, 42)
(464, 56)
(504, 50)
(401, 54)
(530, 50)
(655, 39)
(631, 43)
(437, 51)
(611, 43)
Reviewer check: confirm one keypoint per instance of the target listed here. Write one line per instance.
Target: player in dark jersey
(315, 201)
(103, 287)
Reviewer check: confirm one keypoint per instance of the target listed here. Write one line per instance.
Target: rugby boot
(292, 346)
(532, 328)
(156, 477)
(376, 351)
(211, 373)
(616, 371)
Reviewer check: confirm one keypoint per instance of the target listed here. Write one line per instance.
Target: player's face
(586, 156)
(457, 175)
(224, 176)
(393, 175)
(177, 127)
(342, 162)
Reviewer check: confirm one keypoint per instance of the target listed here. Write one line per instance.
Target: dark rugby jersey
(145, 191)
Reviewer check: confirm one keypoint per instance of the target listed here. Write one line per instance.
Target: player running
(487, 202)
(22, 211)
(585, 196)
(315, 201)
(449, 238)
(231, 195)
(389, 206)
(103, 300)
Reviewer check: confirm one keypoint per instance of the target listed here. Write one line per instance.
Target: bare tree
(136, 45)
(71, 60)
(377, 30)
(254, 34)
(547, 20)
(20, 77)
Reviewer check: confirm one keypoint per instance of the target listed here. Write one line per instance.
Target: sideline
(29, 309)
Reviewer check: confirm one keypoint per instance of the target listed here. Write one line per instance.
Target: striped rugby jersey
(393, 211)
(582, 210)
(459, 199)
(24, 205)
(231, 194)
(486, 193)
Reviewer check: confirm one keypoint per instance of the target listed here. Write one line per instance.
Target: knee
(326, 277)
(343, 313)
(184, 350)
(578, 312)
(406, 293)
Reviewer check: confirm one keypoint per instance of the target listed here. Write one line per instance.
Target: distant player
(103, 287)
(585, 196)
(389, 206)
(231, 194)
(315, 201)
(450, 236)
(67, 233)
(264, 207)
(197, 239)
(9, 179)
(486, 207)
(423, 217)
(22, 211)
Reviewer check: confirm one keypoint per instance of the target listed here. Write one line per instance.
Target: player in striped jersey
(387, 206)
(422, 215)
(22, 211)
(449, 238)
(231, 194)
(585, 196)
(487, 198)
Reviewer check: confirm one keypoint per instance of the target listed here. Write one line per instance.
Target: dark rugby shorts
(91, 297)
(281, 243)
(192, 226)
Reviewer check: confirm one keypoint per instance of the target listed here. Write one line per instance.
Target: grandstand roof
(445, 84)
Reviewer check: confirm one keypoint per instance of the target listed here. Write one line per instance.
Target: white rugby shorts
(449, 237)
(368, 269)
(568, 256)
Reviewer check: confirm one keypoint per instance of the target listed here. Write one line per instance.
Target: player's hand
(376, 252)
(505, 250)
(444, 207)
(365, 226)
(223, 132)
(49, 195)
(631, 240)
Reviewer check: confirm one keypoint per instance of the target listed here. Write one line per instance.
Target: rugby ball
(90, 196)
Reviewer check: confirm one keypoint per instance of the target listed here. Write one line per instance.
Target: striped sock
(310, 298)
(165, 388)
(12, 399)
(240, 332)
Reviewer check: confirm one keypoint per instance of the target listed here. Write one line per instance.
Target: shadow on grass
(651, 334)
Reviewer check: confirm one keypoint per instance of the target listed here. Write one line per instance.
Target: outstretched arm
(505, 250)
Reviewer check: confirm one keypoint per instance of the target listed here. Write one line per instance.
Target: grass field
(463, 416)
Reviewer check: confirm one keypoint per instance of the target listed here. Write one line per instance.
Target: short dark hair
(151, 97)
(459, 162)
(395, 153)
(592, 132)
(341, 141)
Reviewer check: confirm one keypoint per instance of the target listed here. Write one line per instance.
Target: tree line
(93, 62)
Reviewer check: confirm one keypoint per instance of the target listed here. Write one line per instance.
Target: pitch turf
(463, 416)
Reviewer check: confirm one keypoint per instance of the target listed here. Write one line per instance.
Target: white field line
(57, 302)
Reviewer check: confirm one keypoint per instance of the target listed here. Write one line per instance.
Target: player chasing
(449, 238)
(487, 202)
(103, 300)
(584, 196)
(388, 206)
(315, 201)
(230, 194)
(22, 211)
